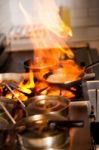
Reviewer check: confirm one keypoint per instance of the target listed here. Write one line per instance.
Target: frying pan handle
(91, 65)
(88, 76)
(66, 123)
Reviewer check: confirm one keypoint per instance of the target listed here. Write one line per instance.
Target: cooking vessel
(48, 104)
(35, 65)
(38, 68)
(45, 140)
(39, 132)
(42, 122)
(70, 84)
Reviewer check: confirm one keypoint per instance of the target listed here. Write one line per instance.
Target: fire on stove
(34, 103)
(33, 83)
(34, 106)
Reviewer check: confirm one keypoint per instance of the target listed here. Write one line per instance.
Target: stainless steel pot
(37, 132)
(48, 139)
(47, 104)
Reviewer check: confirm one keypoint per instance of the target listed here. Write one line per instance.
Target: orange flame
(48, 36)
(18, 94)
(29, 84)
(25, 87)
(49, 31)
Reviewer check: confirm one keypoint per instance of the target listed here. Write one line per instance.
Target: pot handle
(65, 123)
(91, 65)
(90, 76)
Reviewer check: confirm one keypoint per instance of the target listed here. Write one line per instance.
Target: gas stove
(79, 138)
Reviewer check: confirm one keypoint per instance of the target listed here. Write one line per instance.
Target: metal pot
(47, 104)
(33, 133)
(40, 122)
(48, 139)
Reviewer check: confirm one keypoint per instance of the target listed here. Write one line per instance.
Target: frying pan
(71, 83)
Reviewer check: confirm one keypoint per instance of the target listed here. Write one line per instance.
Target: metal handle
(21, 103)
(7, 113)
(65, 123)
(91, 65)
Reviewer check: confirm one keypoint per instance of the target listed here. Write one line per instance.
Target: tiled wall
(5, 20)
(84, 16)
(83, 12)
(84, 20)
(17, 17)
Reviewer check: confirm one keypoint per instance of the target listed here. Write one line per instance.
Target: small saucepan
(43, 109)
(41, 122)
(42, 135)
(55, 79)
(42, 131)
(48, 104)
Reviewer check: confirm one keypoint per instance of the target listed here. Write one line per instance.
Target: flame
(71, 70)
(48, 36)
(25, 88)
(18, 94)
(29, 84)
(49, 30)
(66, 51)
(68, 94)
